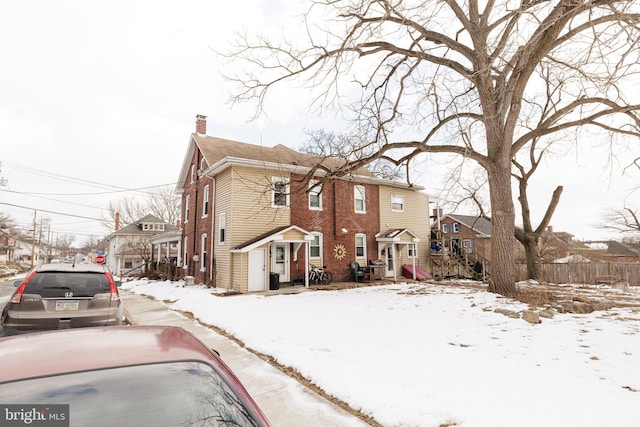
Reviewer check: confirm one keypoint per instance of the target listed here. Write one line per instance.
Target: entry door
(391, 265)
(257, 266)
(280, 261)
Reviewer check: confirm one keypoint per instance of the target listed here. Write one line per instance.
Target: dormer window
(152, 226)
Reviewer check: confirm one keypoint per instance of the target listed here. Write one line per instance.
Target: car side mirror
(118, 283)
(17, 283)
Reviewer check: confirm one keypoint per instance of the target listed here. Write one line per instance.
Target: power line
(53, 200)
(29, 193)
(52, 212)
(61, 177)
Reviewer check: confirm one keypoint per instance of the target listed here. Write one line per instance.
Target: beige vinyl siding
(240, 272)
(222, 203)
(251, 212)
(415, 217)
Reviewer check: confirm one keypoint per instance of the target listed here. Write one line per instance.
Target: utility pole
(33, 240)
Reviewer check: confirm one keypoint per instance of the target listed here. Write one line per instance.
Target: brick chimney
(201, 124)
(117, 227)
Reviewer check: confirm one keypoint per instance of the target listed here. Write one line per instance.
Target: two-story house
(250, 211)
(129, 247)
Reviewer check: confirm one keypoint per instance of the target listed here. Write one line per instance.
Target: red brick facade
(198, 223)
(337, 214)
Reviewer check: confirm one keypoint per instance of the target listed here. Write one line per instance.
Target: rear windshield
(166, 394)
(56, 284)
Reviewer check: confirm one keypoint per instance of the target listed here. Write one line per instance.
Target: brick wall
(337, 213)
(196, 224)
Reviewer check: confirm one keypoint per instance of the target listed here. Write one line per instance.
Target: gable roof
(476, 223)
(220, 153)
(618, 248)
(393, 235)
(275, 234)
(134, 229)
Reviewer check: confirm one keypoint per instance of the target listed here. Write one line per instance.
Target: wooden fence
(584, 272)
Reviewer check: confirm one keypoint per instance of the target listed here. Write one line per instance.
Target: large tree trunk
(530, 244)
(502, 274)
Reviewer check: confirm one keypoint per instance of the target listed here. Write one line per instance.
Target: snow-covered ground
(437, 355)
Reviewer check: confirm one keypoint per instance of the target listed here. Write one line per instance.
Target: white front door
(391, 261)
(280, 261)
(257, 265)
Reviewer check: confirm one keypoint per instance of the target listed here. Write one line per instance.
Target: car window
(165, 394)
(56, 284)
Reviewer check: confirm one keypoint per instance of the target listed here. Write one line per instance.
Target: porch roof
(166, 237)
(277, 234)
(395, 235)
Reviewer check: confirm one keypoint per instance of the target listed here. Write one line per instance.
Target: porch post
(307, 255)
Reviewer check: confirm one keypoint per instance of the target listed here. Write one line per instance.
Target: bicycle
(320, 275)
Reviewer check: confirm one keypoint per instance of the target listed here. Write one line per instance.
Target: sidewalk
(284, 400)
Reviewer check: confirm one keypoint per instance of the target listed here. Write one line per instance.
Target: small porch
(267, 260)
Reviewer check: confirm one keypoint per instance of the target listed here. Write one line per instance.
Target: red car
(120, 376)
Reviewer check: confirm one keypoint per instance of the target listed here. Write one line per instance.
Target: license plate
(66, 305)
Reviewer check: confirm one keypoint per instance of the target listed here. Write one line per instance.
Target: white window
(456, 227)
(468, 245)
(445, 228)
(315, 247)
(279, 192)
(315, 196)
(153, 227)
(361, 244)
(222, 227)
(359, 200)
(205, 201)
(397, 203)
(185, 253)
(193, 168)
(203, 252)
(187, 204)
(412, 250)
(203, 166)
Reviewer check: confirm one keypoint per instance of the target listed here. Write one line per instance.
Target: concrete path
(284, 400)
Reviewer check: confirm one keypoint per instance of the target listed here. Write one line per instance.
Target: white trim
(276, 180)
(315, 189)
(359, 190)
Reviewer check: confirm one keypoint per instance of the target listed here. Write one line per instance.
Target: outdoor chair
(360, 274)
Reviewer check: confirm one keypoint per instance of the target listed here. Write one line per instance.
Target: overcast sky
(101, 97)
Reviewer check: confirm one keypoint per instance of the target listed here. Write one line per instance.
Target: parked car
(7, 271)
(123, 376)
(61, 296)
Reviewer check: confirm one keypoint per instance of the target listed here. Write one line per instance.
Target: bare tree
(343, 146)
(624, 220)
(64, 243)
(6, 222)
(162, 203)
(461, 77)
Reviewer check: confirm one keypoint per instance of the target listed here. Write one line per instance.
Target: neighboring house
(560, 246)
(465, 233)
(129, 248)
(7, 246)
(611, 251)
(251, 213)
(23, 252)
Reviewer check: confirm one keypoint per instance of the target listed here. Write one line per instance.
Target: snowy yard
(437, 355)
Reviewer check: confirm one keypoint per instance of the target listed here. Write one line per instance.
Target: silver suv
(62, 296)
